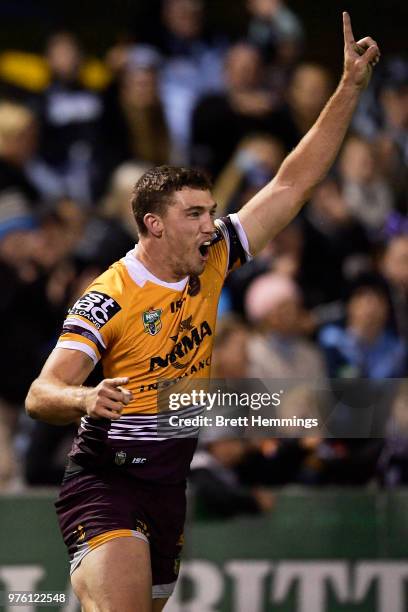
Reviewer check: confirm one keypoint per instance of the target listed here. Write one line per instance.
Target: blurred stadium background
(93, 93)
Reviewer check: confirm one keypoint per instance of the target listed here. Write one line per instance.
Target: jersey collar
(140, 274)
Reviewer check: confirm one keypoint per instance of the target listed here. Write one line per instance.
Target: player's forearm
(56, 403)
(310, 161)
(272, 208)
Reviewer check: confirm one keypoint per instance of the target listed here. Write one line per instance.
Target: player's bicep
(67, 366)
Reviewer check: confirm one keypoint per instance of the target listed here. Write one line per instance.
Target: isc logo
(97, 307)
(139, 460)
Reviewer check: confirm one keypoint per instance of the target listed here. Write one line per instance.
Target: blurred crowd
(328, 298)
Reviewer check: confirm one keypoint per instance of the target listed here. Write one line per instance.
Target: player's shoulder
(114, 281)
(104, 297)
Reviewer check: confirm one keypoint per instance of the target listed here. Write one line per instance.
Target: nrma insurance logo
(152, 321)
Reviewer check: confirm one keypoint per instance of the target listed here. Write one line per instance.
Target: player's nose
(207, 224)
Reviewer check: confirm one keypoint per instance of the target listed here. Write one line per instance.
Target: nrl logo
(151, 321)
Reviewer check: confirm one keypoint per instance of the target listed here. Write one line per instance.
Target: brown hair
(152, 192)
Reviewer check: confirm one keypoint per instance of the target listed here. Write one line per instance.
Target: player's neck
(156, 263)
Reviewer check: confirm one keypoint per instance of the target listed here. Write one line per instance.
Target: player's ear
(154, 224)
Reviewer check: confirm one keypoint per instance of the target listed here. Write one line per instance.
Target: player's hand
(107, 400)
(359, 57)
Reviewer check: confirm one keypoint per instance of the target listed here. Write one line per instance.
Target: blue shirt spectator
(363, 347)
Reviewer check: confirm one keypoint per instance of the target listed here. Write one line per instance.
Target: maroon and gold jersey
(148, 330)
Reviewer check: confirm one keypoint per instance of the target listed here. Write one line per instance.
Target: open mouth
(203, 248)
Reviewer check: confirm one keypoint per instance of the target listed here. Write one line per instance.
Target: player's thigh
(158, 604)
(115, 577)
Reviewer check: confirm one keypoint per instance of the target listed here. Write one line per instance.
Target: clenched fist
(107, 400)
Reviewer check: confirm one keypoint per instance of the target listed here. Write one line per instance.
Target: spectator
(363, 347)
(383, 110)
(280, 461)
(278, 350)
(275, 29)
(70, 116)
(140, 102)
(182, 28)
(243, 109)
(334, 243)
(250, 106)
(108, 236)
(36, 273)
(282, 255)
(394, 100)
(273, 304)
(230, 355)
(394, 267)
(392, 168)
(365, 191)
(18, 140)
(219, 493)
(254, 164)
(19, 199)
(382, 118)
(307, 92)
(116, 203)
(134, 121)
(193, 66)
(24, 296)
(343, 462)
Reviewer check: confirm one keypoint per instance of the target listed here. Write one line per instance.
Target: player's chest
(164, 321)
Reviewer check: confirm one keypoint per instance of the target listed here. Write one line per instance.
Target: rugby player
(152, 316)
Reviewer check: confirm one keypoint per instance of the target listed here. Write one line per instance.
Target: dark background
(25, 24)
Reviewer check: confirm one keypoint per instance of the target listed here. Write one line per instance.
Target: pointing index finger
(348, 32)
(116, 382)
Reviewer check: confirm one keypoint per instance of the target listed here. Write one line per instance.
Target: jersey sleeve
(230, 248)
(92, 322)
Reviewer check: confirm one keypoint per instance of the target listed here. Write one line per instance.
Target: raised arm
(272, 208)
(58, 397)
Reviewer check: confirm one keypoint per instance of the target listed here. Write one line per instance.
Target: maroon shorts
(95, 507)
